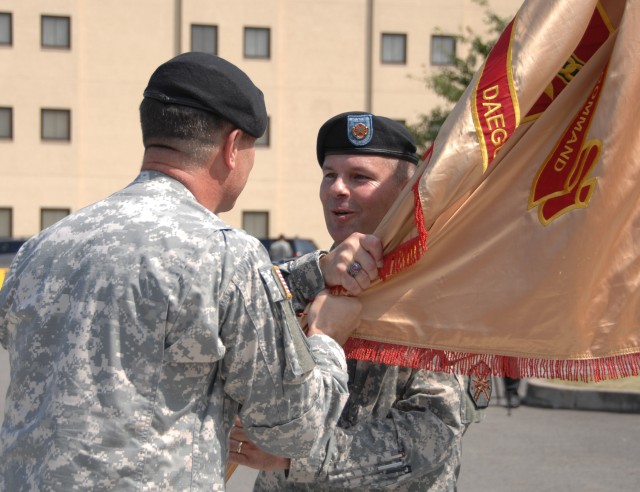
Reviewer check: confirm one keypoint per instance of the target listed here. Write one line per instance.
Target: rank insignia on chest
(359, 129)
(480, 385)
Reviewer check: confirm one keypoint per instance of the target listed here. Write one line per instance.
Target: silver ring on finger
(354, 269)
(239, 448)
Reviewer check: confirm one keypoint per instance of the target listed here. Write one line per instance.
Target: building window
(264, 140)
(257, 42)
(6, 222)
(443, 50)
(204, 38)
(256, 223)
(56, 32)
(6, 29)
(6, 123)
(49, 216)
(394, 48)
(56, 124)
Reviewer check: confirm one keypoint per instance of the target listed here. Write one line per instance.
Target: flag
(515, 249)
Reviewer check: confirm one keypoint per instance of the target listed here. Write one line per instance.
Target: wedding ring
(239, 448)
(354, 269)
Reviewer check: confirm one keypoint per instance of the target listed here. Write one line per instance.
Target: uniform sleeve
(304, 277)
(7, 291)
(7, 287)
(419, 437)
(291, 389)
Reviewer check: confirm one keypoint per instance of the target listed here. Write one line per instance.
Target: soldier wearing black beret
(211, 84)
(402, 427)
(147, 323)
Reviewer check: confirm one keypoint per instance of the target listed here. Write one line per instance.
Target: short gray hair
(191, 131)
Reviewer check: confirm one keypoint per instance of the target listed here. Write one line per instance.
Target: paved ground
(542, 449)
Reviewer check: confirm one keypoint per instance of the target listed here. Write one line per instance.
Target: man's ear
(230, 149)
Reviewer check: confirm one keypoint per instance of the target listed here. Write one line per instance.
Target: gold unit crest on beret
(360, 129)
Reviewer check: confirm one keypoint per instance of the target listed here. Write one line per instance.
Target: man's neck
(195, 178)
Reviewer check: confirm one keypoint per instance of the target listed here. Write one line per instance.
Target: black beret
(356, 132)
(209, 83)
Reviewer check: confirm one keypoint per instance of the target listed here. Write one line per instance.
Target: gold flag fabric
(515, 250)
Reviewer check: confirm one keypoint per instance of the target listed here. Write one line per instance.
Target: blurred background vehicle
(8, 249)
(298, 246)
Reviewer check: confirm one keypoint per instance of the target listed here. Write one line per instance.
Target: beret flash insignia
(360, 129)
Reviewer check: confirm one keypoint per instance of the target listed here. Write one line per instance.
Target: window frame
(43, 210)
(264, 215)
(44, 17)
(9, 15)
(9, 211)
(394, 35)
(208, 26)
(432, 51)
(10, 135)
(58, 111)
(266, 56)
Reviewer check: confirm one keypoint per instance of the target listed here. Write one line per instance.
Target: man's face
(356, 192)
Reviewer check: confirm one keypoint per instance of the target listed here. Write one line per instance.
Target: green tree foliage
(450, 82)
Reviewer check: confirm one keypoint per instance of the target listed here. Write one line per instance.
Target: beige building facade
(73, 72)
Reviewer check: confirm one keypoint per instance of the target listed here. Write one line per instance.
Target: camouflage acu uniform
(401, 429)
(136, 329)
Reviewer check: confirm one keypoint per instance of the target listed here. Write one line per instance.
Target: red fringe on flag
(409, 252)
(594, 370)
